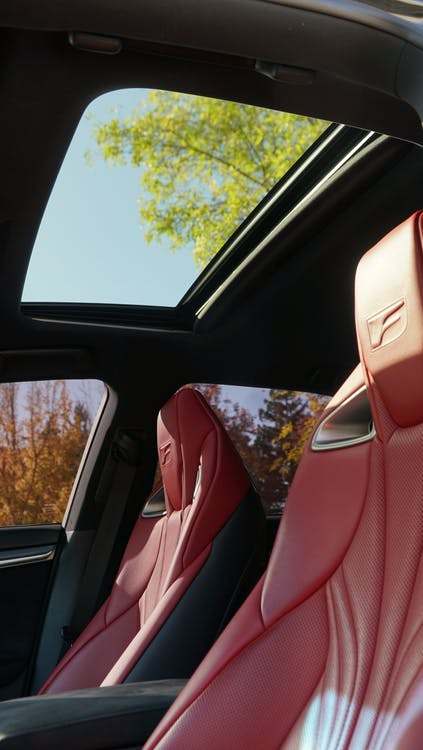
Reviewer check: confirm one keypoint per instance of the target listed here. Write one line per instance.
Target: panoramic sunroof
(152, 185)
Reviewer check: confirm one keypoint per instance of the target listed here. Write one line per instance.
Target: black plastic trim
(350, 424)
(20, 537)
(155, 507)
(171, 318)
(96, 719)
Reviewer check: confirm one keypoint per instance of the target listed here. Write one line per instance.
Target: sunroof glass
(152, 185)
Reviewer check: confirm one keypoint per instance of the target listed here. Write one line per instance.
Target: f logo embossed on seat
(388, 324)
(165, 453)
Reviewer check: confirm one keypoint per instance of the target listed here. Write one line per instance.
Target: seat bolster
(224, 478)
(152, 625)
(329, 491)
(137, 566)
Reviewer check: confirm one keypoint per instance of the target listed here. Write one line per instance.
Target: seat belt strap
(113, 491)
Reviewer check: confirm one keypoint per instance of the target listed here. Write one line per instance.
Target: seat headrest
(189, 435)
(389, 320)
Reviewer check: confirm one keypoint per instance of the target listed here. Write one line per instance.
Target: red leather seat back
(327, 652)
(204, 483)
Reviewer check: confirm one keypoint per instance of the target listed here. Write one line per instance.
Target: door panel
(27, 556)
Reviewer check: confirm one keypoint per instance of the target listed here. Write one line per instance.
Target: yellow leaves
(42, 437)
(285, 430)
(292, 416)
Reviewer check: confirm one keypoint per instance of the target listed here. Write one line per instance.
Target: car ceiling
(288, 321)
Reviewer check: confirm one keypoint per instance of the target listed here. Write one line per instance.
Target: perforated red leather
(327, 652)
(163, 555)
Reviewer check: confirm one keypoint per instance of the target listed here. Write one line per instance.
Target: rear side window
(269, 428)
(44, 428)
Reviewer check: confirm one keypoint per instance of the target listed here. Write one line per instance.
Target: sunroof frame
(319, 160)
(322, 157)
(68, 301)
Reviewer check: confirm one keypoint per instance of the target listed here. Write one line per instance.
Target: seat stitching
(338, 643)
(369, 674)
(354, 631)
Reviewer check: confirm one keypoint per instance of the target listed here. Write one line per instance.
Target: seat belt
(113, 491)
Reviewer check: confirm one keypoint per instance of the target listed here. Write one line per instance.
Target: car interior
(169, 589)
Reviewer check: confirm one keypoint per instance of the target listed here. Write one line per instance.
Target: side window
(44, 428)
(269, 428)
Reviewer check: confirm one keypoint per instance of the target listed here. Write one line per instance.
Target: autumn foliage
(270, 443)
(43, 432)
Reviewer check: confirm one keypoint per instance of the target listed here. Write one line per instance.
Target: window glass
(152, 185)
(269, 428)
(44, 428)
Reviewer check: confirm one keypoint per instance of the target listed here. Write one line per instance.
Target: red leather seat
(327, 651)
(183, 574)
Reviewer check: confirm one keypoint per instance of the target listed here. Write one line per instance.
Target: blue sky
(90, 246)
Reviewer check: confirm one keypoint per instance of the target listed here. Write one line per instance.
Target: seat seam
(370, 671)
(334, 571)
(330, 588)
(187, 540)
(354, 630)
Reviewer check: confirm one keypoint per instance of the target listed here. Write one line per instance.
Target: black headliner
(288, 323)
